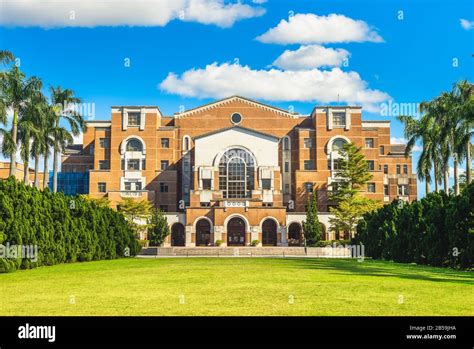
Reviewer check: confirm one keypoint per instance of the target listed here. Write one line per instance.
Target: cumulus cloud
(222, 80)
(312, 56)
(313, 29)
(92, 13)
(467, 25)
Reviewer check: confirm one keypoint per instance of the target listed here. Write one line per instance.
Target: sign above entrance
(236, 204)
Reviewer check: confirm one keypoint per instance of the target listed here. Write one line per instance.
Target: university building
(235, 170)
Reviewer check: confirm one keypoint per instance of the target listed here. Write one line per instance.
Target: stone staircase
(318, 252)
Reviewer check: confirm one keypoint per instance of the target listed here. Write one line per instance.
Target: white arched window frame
(133, 159)
(186, 143)
(236, 173)
(332, 152)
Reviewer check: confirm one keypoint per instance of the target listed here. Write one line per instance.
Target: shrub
(65, 228)
(218, 243)
(437, 230)
(254, 243)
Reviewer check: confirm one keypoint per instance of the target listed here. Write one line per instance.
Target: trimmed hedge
(65, 228)
(437, 230)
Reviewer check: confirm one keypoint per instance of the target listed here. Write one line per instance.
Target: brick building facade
(235, 170)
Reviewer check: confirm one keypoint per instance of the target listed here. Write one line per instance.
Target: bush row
(64, 228)
(437, 230)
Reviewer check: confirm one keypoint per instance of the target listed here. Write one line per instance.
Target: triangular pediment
(238, 129)
(233, 99)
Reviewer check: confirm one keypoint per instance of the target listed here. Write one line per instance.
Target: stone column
(189, 234)
(218, 230)
(284, 236)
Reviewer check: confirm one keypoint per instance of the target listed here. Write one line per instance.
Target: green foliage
(135, 211)
(312, 229)
(353, 174)
(218, 243)
(158, 228)
(254, 243)
(437, 230)
(351, 179)
(65, 228)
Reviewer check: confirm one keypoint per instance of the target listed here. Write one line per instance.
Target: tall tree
(62, 100)
(351, 180)
(158, 228)
(353, 173)
(312, 229)
(135, 211)
(15, 91)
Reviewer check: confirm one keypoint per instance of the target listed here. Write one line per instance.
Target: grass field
(237, 286)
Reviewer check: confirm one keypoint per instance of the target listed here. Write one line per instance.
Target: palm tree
(61, 99)
(463, 109)
(46, 141)
(15, 91)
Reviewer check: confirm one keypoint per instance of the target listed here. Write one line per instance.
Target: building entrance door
(236, 232)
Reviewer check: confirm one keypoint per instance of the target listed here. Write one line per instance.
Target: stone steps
(326, 252)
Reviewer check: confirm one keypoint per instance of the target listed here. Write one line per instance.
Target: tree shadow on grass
(386, 269)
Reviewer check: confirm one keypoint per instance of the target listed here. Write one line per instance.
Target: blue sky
(409, 60)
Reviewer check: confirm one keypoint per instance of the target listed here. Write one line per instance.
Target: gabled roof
(236, 128)
(227, 100)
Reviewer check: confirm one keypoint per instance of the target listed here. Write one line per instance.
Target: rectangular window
(103, 165)
(165, 142)
(398, 169)
(308, 187)
(91, 149)
(104, 142)
(133, 119)
(385, 190)
(287, 167)
(143, 164)
(122, 164)
(138, 185)
(163, 188)
(266, 184)
(370, 165)
(403, 190)
(206, 184)
(205, 204)
(382, 150)
(369, 142)
(164, 208)
(308, 165)
(371, 187)
(128, 185)
(405, 169)
(308, 143)
(133, 165)
(164, 165)
(287, 189)
(385, 169)
(102, 187)
(339, 119)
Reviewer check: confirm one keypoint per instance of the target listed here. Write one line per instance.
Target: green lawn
(237, 286)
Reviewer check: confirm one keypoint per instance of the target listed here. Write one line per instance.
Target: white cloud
(219, 81)
(92, 13)
(451, 171)
(312, 56)
(78, 139)
(467, 25)
(401, 140)
(312, 29)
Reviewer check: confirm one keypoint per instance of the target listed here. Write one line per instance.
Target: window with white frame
(134, 119)
(339, 119)
(236, 173)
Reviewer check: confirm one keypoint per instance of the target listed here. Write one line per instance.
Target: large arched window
(338, 144)
(236, 173)
(134, 145)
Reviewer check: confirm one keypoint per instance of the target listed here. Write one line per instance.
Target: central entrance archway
(236, 232)
(269, 233)
(203, 233)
